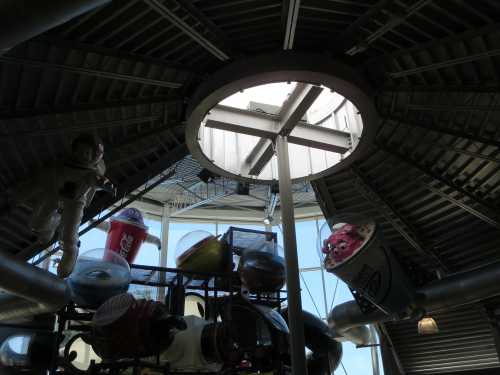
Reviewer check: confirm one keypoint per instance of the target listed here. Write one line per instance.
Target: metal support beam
(86, 126)
(186, 29)
(291, 23)
(295, 320)
(122, 104)
(258, 157)
(362, 185)
(393, 22)
(486, 87)
(345, 39)
(135, 139)
(292, 111)
(90, 72)
(106, 52)
(211, 199)
(446, 63)
(242, 121)
(207, 23)
(324, 198)
(287, 123)
(296, 106)
(461, 151)
(446, 130)
(165, 229)
(484, 212)
(452, 107)
(469, 34)
(269, 126)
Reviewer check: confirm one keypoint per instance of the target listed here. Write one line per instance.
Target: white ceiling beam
(291, 24)
(267, 128)
(242, 121)
(293, 110)
(296, 106)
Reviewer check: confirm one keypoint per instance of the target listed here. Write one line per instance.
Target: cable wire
(345, 371)
(310, 295)
(334, 293)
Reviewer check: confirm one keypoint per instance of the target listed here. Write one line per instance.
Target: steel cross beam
(287, 123)
(484, 213)
(362, 185)
(90, 72)
(294, 108)
(166, 13)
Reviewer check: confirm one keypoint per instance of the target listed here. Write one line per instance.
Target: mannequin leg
(71, 218)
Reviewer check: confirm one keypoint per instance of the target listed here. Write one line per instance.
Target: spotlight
(268, 220)
(427, 326)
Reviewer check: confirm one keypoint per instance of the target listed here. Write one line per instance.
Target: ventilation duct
(30, 290)
(347, 320)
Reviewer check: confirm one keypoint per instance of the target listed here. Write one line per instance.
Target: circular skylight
(323, 108)
(237, 135)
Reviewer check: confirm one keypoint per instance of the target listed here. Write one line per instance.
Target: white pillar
(295, 321)
(165, 226)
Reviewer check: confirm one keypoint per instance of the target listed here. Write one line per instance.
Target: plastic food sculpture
(261, 271)
(59, 194)
(199, 251)
(357, 254)
(98, 275)
(126, 234)
(124, 327)
(342, 244)
(259, 266)
(247, 337)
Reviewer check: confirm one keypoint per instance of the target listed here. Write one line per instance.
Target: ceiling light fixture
(427, 326)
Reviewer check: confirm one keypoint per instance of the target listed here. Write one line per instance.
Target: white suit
(60, 193)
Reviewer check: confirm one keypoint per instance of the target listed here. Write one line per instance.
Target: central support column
(295, 321)
(165, 228)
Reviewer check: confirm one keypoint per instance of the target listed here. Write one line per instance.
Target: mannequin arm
(104, 226)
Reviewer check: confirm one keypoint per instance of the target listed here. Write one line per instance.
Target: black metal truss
(24, 114)
(90, 72)
(445, 130)
(169, 15)
(483, 212)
